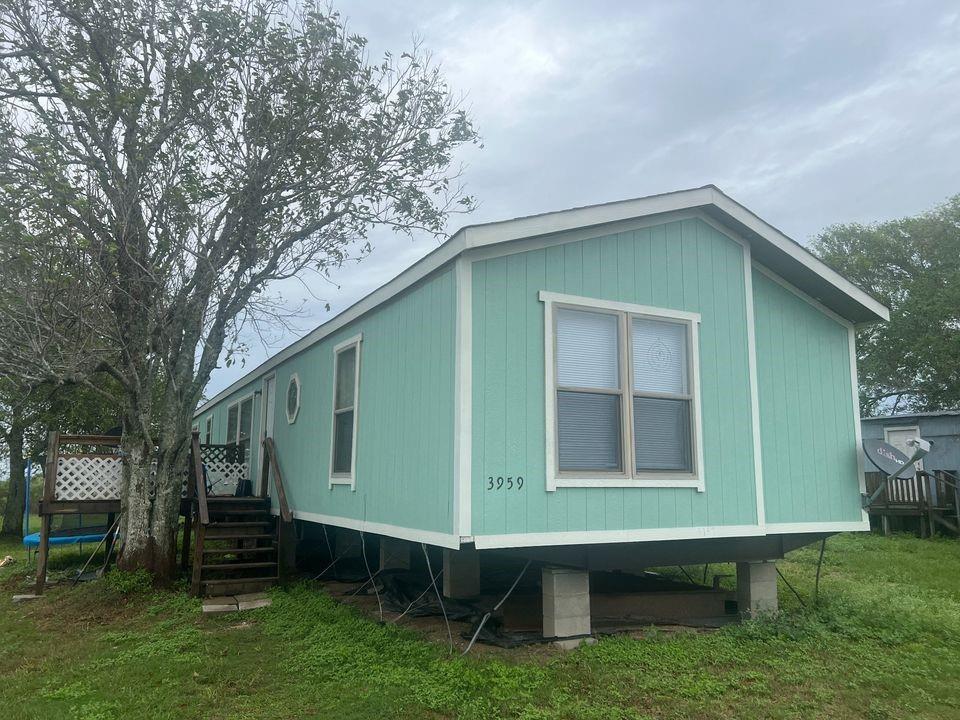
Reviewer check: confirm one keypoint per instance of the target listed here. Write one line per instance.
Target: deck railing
(271, 469)
(86, 473)
(924, 490)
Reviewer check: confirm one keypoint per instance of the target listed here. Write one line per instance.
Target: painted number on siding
(504, 483)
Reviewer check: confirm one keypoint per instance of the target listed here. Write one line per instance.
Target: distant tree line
(912, 265)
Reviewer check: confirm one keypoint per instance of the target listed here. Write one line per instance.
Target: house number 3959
(504, 483)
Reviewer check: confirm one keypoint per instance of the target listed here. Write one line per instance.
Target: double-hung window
(622, 404)
(343, 441)
(240, 426)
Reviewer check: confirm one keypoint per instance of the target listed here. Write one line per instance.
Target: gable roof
(768, 246)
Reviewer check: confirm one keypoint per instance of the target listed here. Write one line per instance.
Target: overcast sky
(807, 113)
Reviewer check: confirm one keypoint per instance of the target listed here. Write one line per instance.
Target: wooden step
(254, 512)
(238, 551)
(238, 565)
(230, 504)
(238, 585)
(234, 535)
(238, 524)
(220, 530)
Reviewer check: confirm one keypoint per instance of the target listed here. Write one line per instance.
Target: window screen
(344, 410)
(233, 416)
(588, 423)
(246, 427)
(659, 356)
(589, 431)
(661, 434)
(661, 395)
(587, 350)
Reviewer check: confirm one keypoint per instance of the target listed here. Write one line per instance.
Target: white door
(903, 490)
(269, 405)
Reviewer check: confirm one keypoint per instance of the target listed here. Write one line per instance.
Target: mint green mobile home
(665, 379)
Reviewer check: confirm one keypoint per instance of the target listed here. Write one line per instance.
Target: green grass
(885, 643)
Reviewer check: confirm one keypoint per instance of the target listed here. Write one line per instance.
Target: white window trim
(630, 478)
(346, 478)
(208, 430)
(238, 402)
(294, 378)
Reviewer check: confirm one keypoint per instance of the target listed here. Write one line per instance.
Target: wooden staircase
(236, 543)
(238, 550)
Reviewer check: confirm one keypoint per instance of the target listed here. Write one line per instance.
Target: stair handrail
(270, 455)
(200, 487)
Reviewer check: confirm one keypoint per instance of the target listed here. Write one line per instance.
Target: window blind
(343, 442)
(587, 349)
(589, 431)
(659, 356)
(661, 434)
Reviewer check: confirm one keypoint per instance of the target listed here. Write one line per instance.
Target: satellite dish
(887, 459)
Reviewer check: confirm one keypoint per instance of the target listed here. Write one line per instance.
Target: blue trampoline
(68, 536)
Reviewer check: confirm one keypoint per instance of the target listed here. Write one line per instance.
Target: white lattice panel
(88, 477)
(223, 476)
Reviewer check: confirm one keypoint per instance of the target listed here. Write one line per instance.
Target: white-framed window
(622, 394)
(346, 395)
(208, 430)
(293, 398)
(240, 425)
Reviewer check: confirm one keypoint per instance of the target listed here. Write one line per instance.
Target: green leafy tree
(173, 158)
(28, 413)
(913, 266)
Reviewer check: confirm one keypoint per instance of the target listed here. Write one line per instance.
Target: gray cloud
(808, 113)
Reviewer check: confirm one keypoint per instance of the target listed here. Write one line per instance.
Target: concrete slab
(252, 601)
(574, 643)
(224, 603)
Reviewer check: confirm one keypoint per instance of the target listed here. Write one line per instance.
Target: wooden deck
(236, 538)
(932, 498)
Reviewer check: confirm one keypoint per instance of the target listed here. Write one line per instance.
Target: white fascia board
(416, 272)
(430, 537)
(803, 256)
(598, 537)
(563, 220)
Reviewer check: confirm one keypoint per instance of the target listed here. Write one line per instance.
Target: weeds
(884, 642)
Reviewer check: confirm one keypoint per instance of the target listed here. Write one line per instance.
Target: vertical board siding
(405, 415)
(685, 265)
(807, 420)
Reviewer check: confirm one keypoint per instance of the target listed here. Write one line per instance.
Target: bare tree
(171, 159)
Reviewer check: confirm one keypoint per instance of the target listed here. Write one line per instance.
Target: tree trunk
(16, 494)
(149, 506)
